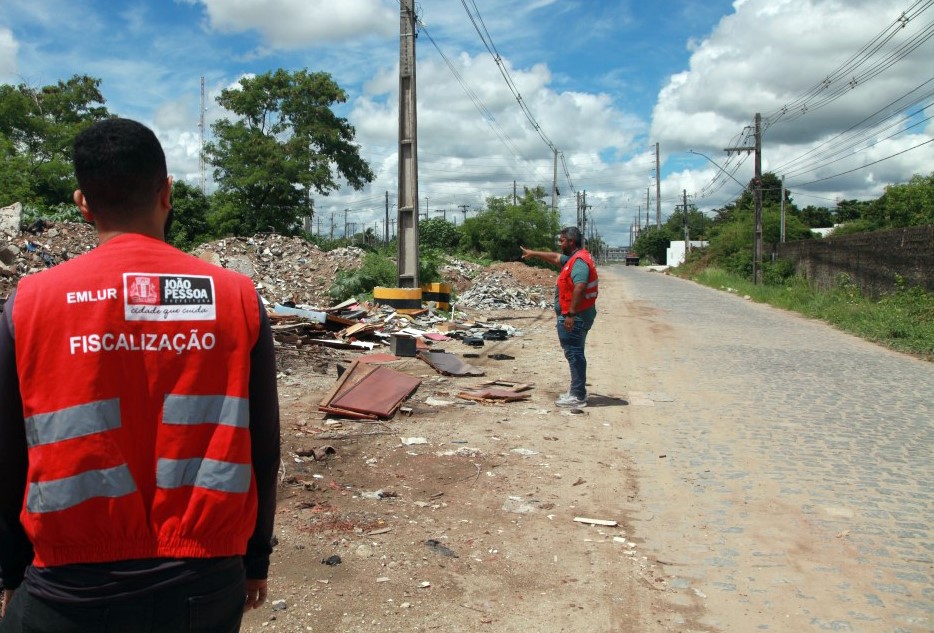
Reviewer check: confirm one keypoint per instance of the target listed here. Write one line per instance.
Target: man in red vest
(575, 305)
(139, 420)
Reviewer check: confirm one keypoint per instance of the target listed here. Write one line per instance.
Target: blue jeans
(572, 342)
(201, 605)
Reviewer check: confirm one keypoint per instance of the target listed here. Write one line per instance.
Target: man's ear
(82, 204)
(165, 195)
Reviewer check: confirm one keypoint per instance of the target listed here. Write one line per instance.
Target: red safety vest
(566, 284)
(134, 366)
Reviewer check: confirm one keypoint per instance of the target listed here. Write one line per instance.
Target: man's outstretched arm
(545, 256)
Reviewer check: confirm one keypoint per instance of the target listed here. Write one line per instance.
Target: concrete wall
(676, 253)
(871, 260)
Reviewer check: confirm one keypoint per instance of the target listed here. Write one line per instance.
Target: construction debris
(368, 392)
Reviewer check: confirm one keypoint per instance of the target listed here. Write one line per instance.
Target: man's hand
(568, 323)
(255, 594)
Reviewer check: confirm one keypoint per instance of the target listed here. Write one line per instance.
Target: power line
(871, 145)
(848, 138)
(487, 40)
(875, 162)
(846, 77)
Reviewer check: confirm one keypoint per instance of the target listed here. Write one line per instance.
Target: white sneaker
(568, 401)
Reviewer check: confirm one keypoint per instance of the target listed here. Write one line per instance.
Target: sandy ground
(474, 530)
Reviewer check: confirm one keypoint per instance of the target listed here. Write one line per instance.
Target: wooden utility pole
(757, 184)
(658, 191)
(408, 151)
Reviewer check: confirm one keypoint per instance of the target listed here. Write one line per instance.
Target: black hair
(574, 234)
(120, 167)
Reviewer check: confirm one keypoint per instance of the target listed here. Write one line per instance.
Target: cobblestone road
(787, 469)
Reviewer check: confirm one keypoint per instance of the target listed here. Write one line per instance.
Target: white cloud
(290, 24)
(768, 53)
(465, 157)
(9, 48)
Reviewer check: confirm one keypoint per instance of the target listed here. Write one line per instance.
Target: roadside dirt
(474, 530)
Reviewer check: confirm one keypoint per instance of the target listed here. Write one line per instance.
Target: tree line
(281, 147)
(729, 229)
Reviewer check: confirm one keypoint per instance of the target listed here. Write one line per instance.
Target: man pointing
(575, 305)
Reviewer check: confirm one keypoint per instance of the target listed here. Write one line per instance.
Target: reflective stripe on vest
(67, 424)
(60, 494)
(591, 291)
(223, 410)
(203, 473)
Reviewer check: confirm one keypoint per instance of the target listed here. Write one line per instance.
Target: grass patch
(903, 320)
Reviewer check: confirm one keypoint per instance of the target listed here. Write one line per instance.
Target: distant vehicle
(632, 258)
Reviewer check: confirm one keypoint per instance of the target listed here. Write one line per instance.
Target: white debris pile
(283, 268)
(500, 290)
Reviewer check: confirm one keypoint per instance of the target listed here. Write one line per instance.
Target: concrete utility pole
(386, 222)
(783, 210)
(463, 208)
(583, 223)
(554, 189)
(647, 199)
(408, 151)
(514, 201)
(658, 191)
(757, 183)
(201, 146)
(687, 229)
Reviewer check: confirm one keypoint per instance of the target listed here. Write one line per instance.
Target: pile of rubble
(41, 245)
(284, 269)
(501, 290)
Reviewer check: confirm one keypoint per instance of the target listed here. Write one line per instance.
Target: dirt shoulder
(475, 529)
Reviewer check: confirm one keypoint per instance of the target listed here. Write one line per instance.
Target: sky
(844, 89)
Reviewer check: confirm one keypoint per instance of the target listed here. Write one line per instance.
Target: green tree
(499, 230)
(771, 192)
(286, 143)
(190, 217)
(653, 243)
(848, 210)
(906, 204)
(814, 217)
(438, 233)
(697, 224)
(37, 129)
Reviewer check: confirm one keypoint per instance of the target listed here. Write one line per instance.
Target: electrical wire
(852, 136)
(487, 40)
(846, 77)
(875, 162)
